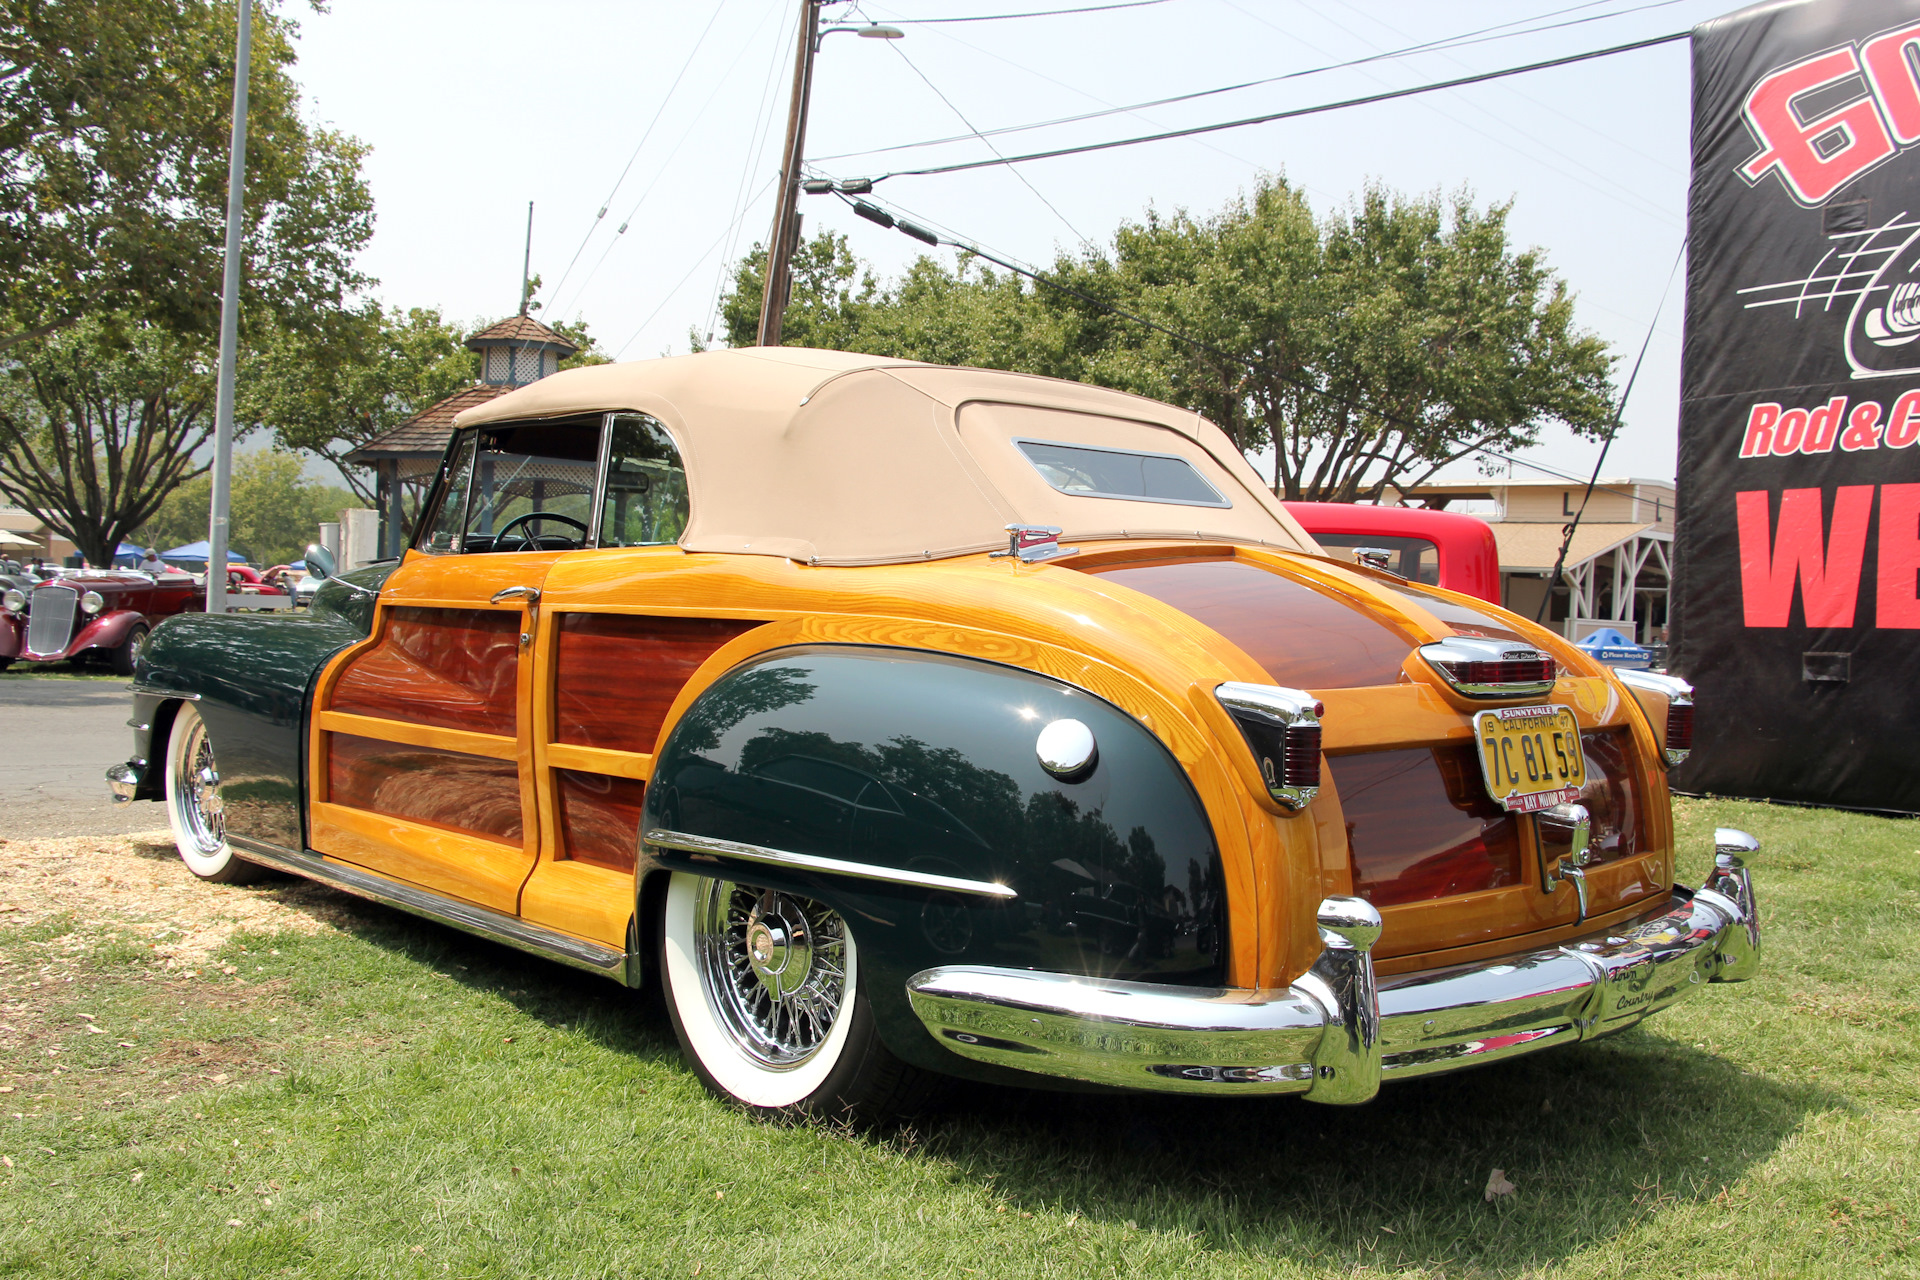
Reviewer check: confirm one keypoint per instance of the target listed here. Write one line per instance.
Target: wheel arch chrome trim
(716, 848)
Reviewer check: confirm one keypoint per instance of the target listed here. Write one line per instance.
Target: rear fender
(915, 776)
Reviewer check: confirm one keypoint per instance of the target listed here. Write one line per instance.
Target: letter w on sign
(1826, 565)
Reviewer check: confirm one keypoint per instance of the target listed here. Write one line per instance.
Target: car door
(422, 752)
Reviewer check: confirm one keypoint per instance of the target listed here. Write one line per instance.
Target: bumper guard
(1336, 1033)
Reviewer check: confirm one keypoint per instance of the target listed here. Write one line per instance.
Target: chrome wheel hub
(202, 810)
(774, 969)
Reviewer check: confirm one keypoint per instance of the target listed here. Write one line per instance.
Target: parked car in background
(1439, 548)
(92, 616)
(908, 720)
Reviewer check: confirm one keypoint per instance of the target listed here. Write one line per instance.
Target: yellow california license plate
(1530, 757)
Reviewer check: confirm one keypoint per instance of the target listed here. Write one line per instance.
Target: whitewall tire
(196, 809)
(765, 993)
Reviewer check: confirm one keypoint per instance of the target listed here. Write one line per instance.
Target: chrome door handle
(530, 594)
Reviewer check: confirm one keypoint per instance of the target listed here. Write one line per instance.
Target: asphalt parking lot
(57, 738)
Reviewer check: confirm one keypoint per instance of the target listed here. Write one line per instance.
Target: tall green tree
(274, 507)
(1367, 348)
(114, 118)
(113, 145)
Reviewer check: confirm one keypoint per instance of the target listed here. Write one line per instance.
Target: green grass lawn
(399, 1100)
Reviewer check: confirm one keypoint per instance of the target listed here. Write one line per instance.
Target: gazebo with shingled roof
(513, 353)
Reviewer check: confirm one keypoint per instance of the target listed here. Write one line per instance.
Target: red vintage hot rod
(96, 616)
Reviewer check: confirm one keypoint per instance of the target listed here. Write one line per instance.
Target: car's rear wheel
(196, 809)
(768, 1002)
(128, 653)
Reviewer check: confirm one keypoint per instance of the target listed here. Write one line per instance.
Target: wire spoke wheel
(197, 804)
(773, 966)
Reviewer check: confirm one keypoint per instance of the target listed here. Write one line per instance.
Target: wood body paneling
(617, 674)
(470, 794)
(1420, 826)
(599, 817)
(1304, 638)
(453, 668)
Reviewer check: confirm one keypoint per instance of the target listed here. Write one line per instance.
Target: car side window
(533, 486)
(646, 502)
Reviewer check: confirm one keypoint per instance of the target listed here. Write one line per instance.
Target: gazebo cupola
(517, 351)
(405, 459)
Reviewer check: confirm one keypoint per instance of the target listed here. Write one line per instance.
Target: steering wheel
(530, 542)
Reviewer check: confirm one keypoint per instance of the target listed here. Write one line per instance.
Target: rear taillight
(1668, 701)
(1491, 668)
(1282, 728)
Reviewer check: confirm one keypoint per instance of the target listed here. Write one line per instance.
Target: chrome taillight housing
(1668, 702)
(1282, 727)
(1478, 668)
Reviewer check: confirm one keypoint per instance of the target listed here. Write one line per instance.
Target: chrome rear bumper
(1335, 1034)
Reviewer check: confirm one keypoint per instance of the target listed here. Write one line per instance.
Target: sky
(669, 117)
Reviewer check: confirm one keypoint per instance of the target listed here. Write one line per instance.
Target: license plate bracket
(1530, 757)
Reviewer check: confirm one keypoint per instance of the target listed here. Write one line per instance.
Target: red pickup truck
(1440, 548)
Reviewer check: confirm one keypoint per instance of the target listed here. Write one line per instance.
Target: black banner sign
(1796, 608)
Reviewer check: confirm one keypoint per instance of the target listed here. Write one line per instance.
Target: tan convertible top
(834, 458)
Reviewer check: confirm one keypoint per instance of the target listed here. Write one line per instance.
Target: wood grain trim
(455, 668)
(461, 866)
(425, 785)
(491, 745)
(599, 818)
(618, 764)
(616, 675)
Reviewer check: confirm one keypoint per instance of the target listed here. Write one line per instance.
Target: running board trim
(482, 922)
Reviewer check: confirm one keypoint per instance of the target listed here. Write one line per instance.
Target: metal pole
(229, 323)
(773, 301)
(526, 263)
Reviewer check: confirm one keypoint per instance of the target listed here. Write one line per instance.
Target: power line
(762, 119)
(644, 135)
(1461, 41)
(697, 264)
(962, 117)
(1291, 114)
(1003, 17)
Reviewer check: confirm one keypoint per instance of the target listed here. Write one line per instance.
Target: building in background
(1617, 567)
(53, 548)
(513, 353)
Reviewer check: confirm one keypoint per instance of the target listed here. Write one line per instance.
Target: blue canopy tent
(198, 551)
(128, 556)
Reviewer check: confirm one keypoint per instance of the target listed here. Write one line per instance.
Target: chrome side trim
(482, 922)
(1143, 1036)
(713, 848)
(155, 691)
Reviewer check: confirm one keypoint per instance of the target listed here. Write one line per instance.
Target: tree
(114, 119)
(1367, 349)
(113, 133)
(275, 509)
(329, 391)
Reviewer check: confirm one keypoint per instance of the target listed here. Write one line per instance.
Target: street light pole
(229, 323)
(773, 299)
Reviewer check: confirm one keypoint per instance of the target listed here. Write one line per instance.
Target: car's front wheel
(196, 808)
(127, 656)
(768, 1002)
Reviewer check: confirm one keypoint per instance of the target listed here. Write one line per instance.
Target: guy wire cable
(1553, 579)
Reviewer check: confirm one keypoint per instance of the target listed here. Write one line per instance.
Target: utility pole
(526, 263)
(773, 301)
(229, 322)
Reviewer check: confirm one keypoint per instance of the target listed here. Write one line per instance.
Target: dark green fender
(254, 675)
(923, 762)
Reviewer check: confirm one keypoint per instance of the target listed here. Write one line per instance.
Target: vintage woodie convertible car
(98, 615)
(906, 719)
